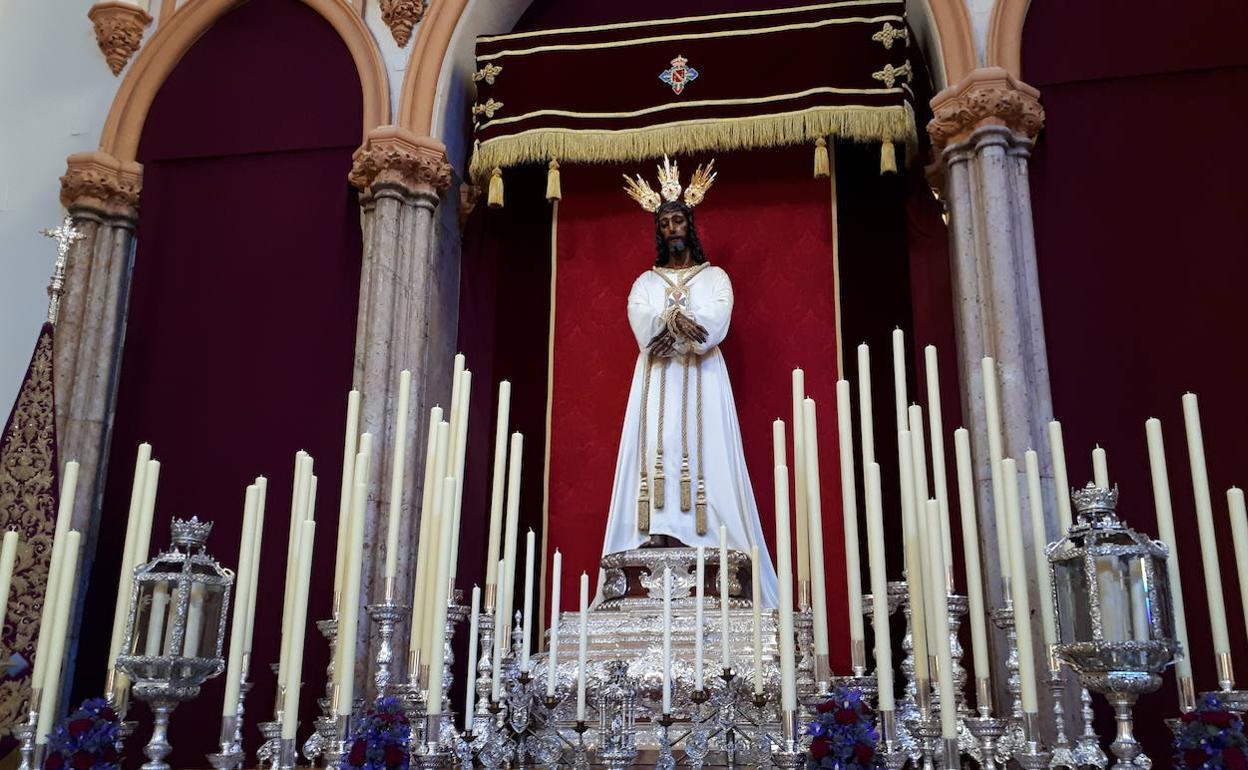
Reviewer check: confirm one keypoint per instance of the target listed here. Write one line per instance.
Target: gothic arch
(1005, 35)
(158, 57)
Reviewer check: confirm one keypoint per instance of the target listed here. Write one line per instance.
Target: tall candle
(784, 570)
(936, 430)
(1039, 545)
(757, 588)
(849, 512)
(970, 551)
(530, 548)
(914, 560)
(438, 651)
(699, 620)
(508, 580)
(1018, 576)
(582, 649)
(1208, 536)
(667, 640)
(156, 619)
(423, 608)
(298, 627)
(253, 583)
(866, 421)
(242, 610)
(125, 577)
(349, 607)
(147, 512)
(944, 657)
(919, 459)
(349, 441)
(1061, 483)
(553, 655)
(899, 378)
(66, 580)
(725, 635)
(1239, 533)
(919, 447)
(457, 371)
(8, 555)
(1165, 530)
(814, 512)
(499, 645)
(1100, 468)
(427, 538)
(300, 489)
(461, 448)
(497, 482)
(778, 452)
(879, 590)
(65, 510)
(992, 416)
(397, 476)
(470, 694)
(800, 479)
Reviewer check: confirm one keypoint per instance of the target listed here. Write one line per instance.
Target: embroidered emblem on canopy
(679, 75)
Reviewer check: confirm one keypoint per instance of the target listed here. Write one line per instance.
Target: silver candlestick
(26, 734)
(1014, 738)
(986, 729)
(1062, 753)
(788, 752)
(386, 615)
(1088, 751)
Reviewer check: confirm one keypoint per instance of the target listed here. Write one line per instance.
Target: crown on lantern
(669, 186)
(191, 533)
(1094, 500)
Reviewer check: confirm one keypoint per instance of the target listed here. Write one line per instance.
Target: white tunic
(729, 495)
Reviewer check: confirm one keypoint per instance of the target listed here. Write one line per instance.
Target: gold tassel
(496, 188)
(660, 483)
(699, 516)
(888, 158)
(823, 167)
(554, 190)
(686, 496)
(643, 507)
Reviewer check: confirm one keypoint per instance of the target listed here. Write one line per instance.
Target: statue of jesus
(681, 470)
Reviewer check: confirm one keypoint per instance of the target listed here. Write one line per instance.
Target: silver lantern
(178, 612)
(1115, 613)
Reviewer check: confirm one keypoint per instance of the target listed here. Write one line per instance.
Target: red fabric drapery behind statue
(768, 224)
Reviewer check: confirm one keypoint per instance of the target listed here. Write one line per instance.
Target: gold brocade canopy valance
(728, 81)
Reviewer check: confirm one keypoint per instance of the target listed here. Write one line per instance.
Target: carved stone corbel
(118, 30)
(401, 16)
(987, 96)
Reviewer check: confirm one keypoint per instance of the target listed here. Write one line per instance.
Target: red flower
(1233, 759)
(55, 761)
(1190, 716)
(107, 714)
(394, 756)
(79, 726)
(1194, 758)
(1217, 718)
(83, 760)
(359, 752)
(819, 748)
(864, 753)
(825, 707)
(846, 716)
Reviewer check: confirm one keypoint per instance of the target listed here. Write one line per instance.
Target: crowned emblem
(669, 186)
(679, 75)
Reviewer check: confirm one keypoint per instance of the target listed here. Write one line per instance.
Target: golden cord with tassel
(686, 501)
(643, 495)
(660, 478)
(700, 507)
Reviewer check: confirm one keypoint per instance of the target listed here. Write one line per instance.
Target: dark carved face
(674, 229)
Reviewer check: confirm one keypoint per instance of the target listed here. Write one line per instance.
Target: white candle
(499, 645)
(194, 621)
(1165, 530)
(294, 678)
(667, 640)
(125, 577)
(349, 441)
(699, 620)
(242, 590)
(553, 655)
(970, 551)
(457, 372)
(63, 603)
(1018, 576)
(470, 695)
(65, 509)
(866, 421)
(461, 449)
(800, 478)
(992, 416)
(899, 378)
(1100, 468)
(530, 548)
(1239, 533)
(936, 430)
(814, 512)
(156, 619)
(582, 650)
(438, 656)
(921, 494)
(1061, 483)
(349, 608)
(1039, 545)
(756, 585)
(914, 561)
(253, 583)
(427, 567)
(918, 447)
(849, 512)
(778, 452)
(944, 657)
(879, 590)
(508, 580)
(397, 475)
(300, 489)
(147, 512)
(725, 636)
(1204, 522)
(501, 422)
(8, 555)
(784, 570)
(426, 536)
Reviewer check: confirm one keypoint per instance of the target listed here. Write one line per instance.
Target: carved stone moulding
(987, 96)
(99, 182)
(395, 156)
(401, 16)
(118, 30)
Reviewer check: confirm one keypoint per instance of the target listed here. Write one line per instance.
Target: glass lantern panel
(1073, 601)
(1115, 587)
(151, 618)
(203, 620)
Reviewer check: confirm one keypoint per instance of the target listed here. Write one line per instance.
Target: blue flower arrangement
(86, 739)
(380, 739)
(1211, 738)
(843, 735)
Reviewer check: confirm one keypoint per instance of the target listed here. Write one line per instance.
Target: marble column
(407, 288)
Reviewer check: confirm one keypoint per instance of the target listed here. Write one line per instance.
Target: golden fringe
(823, 166)
(554, 191)
(856, 123)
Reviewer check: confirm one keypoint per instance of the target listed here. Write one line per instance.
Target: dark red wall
(1137, 185)
(241, 324)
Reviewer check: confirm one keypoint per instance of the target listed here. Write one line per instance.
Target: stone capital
(97, 181)
(118, 31)
(988, 96)
(395, 156)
